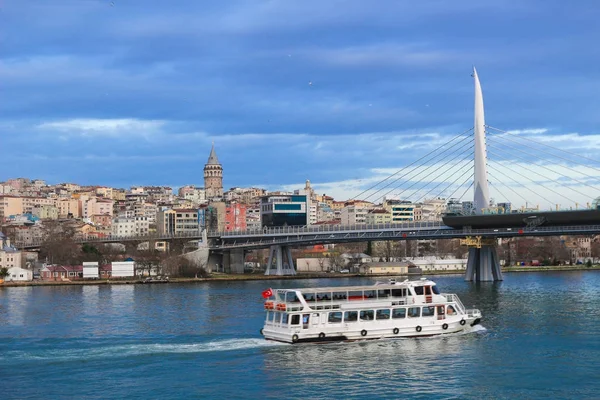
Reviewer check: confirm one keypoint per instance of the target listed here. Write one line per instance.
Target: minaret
(213, 176)
(481, 196)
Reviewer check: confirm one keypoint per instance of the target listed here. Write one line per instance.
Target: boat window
(399, 292)
(383, 294)
(277, 319)
(399, 313)
(309, 297)
(296, 319)
(414, 312)
(370, 294)
(305, 319)
(284, 319)
(335, 317)
(428, 311)
(366, 315)
(271, 316)
(351, 316)
(355, 295)
(324, 296)
(450, 310)
(290, 297)
(383, 314)
(340, 295)
(435, 289)
(418, 290)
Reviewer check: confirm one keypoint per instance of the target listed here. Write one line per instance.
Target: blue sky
(134, 92)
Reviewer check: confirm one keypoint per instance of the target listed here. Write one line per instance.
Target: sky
(344, 93)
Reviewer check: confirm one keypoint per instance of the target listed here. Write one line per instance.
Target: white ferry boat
(384, 310)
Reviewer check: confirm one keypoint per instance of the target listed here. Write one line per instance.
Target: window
(414, 312)
(296, 319)
(399, 292)
(309, 297)
(370, 294)
(428, 311)
(290, 297)
(419, 290)
(335, 317)
(351, 316)
(284, 319)
(382, 314)
(366, 315)
(435, 289)
(382, 294)
(399, 313)
(325, 296)
(339, 295)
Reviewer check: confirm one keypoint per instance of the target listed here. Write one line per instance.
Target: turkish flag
(267, 293)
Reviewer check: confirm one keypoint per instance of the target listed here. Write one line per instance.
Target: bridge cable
(497, 190)
(520, 184)
(450, 185)
(412, 163)
(552, 147)
(509, 188)
(545, 177)
(549, 179)
(466, 190)
(434, 179)
(564, 166)
(468, 152)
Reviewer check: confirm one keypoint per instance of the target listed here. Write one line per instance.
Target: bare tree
(147, 260)
(321, 261)
(595, 249)
(59, 246)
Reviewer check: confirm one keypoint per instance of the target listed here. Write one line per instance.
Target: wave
(120, 351)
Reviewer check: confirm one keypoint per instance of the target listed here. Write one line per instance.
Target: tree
(59, 246)
(335, 260)
(90, 253)
(3, 272)
(184, 267)
(369, 250)
(321, 261)
(147, 260)
(595, 249)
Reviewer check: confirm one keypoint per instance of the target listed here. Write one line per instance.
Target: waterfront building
(213, 176)
(18, 274)
(311, 204)
(283, 210)
(253, 218)
(128, 227)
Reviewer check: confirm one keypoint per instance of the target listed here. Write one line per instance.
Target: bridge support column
(281, 267)
(236, 261)
(483, 264)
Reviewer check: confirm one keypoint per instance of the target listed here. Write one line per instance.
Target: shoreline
(259, 277)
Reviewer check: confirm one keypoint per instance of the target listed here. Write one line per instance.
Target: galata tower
(213, 176)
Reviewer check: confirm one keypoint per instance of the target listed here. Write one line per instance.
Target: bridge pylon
(483, 264)
(282, 267)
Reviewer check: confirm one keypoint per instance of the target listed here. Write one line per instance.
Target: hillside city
(33, 211)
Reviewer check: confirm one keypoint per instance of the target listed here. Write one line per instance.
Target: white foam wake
(132, 350)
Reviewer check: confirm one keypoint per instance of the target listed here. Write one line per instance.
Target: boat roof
(376, 286)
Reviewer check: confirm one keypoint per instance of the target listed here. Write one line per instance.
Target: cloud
(104, 127)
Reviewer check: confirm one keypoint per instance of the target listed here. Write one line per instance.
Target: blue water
(540, 338)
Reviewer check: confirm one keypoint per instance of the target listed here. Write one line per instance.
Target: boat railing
(451, 297)
(473, 313)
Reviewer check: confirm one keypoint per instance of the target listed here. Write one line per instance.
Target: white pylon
(481, 198)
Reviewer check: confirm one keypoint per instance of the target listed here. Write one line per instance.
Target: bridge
(457, 166)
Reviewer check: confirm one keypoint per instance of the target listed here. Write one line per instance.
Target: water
(540, 338)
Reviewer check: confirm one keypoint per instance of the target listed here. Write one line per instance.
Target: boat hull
(426, 330)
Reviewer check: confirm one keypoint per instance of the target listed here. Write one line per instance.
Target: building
(45, 211)
(18, 274)
(311, 203)
(128, 227)
(10, 257)
(90, 270)
(122, 269)
(354, 214)
(432, 210)
(401, 210)
(235, 217)
(385, 268)
(213, 176)
(178, 222)
(283, 210)
(378, 216)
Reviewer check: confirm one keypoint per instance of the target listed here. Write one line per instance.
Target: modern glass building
(283, 210)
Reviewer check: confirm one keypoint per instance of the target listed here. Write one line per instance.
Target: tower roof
(212, 159)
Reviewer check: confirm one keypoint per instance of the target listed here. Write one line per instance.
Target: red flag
(267, 293)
